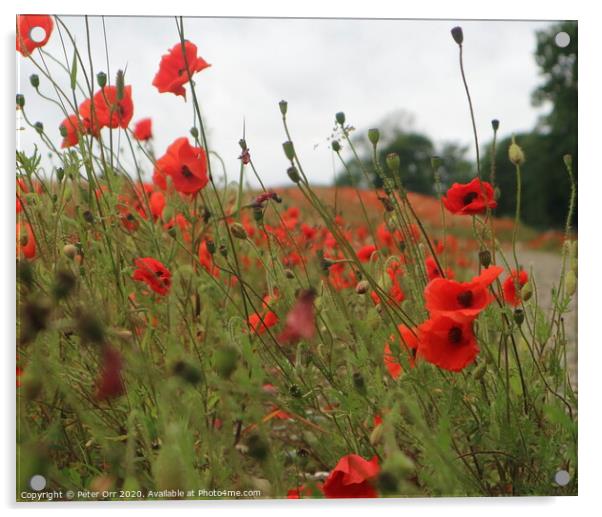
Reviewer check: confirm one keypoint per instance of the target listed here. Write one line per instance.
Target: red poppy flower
(516, 279)
(260, 323)
(462, 300)
(110, 382)
(409, 342)
(432, 270)
(187, 166)
(300, 321)
(469, 198)
(173, 72)
(26, 242)
(71, 128)
(112, 112)
(448, 343)
(352, 477)
(206, 259)
(26, 23)
(365, 253)
(143, 130)
(89, 119)
(304, 491)
(154, 274)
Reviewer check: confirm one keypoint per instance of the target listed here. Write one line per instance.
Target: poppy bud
(120, 84)
(373, 135)
(436, 162)
(187, 372)
(20, 100)
(340, 117)
(570, 283)
(519, 316)
(289, 150)
(225, 359)
(63, 284)
(289, 274)
(283, 105)
(485, 258)
(101, 79)
(238, 230)
(34, 80)
(336, 146)
(243, 144)
(210, 246)
(568, 161)
(90, 328)
(358, 382)
(393, 162)
(362, 287)
(293, 174)
(63, 130)
(258, 448)
(526, 291)
(223, 250)
(60, 174)
(376, 435)
(88, 216)
(258, 214)
(515, 153)
(458, 35)
(495, 124)
(70, 251)
(39, 127)
(194, 132)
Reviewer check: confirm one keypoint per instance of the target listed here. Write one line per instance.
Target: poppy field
(182, 337)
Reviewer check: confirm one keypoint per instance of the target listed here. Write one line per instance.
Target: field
(183, 338)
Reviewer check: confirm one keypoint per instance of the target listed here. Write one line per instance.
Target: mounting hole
(37, 34)
(562, 40)
(562, 478)
(37, 482)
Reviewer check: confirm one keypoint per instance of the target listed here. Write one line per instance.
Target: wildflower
(469, 198)
(143, 129)
(71, 128)
(26, 243)
(176, 68)
(409, 342)
(157, 204)
(89, 118)
(516, 278)
(448, 343)
(300, 321)
(26, 23)
(186, 165)
(260, 323)
(110, 382)
(365, 253)
(154, 274)
(352, 477)
(110, 110)
(433, 271)
(461, 299)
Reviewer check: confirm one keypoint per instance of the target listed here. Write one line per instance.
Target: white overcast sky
(366, 68)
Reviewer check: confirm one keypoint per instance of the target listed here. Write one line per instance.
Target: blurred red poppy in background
(352, 477)
(110, 382)
(300, 321)
(154, 274)
(469, 198)
(143, 130)
(27, 40)
(174, 68)
(408, 342)
(26, 243)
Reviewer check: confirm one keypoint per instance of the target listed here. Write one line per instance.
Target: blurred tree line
(545, 184)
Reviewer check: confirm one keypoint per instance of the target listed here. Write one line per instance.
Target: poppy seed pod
(39, 127)
(458, 35)
(243, 144)
(194, 132)
(60, 174)
(393, 162)
(34, 79)
(340, 118)
(210, 246)
(289, 274)
(293, 174)
(101, 79)
(283, 105)
(223, 250)
(515, 153)
(362, 287)
(258, 214)
(238, 230)
(519, 316)
(336, 146)
(495, 124)
(373, 135)
(485, 258)
(20, 100)
(358, 382)
(289, 150)
(295, 391)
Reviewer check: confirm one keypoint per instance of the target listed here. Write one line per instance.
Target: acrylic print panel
(256, 264)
